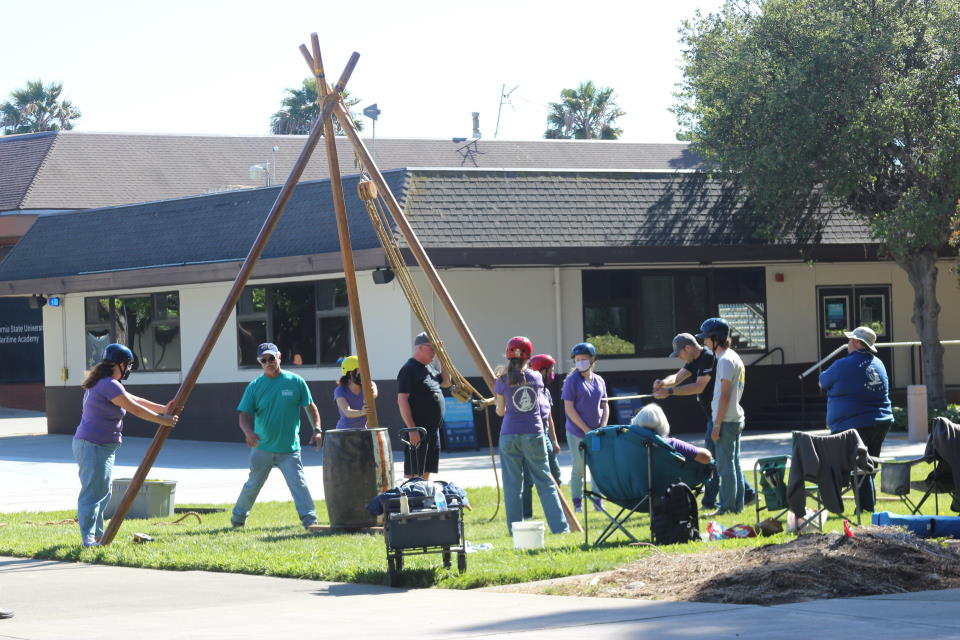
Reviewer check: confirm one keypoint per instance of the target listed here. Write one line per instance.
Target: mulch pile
(813, 566)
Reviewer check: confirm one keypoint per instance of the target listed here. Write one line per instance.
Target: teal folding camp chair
(628, 466)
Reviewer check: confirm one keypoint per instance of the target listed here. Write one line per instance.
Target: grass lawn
(273, 543)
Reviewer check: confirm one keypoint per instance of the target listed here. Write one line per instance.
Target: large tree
(299, 110)
(584, 113)
(36, 108)
(823, 106)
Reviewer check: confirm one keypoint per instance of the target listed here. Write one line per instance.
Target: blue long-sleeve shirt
(858, 392)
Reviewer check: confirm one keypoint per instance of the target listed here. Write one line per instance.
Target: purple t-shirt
(101, 420)
(354, 401)
(521, 404)
(685, 449)
(546, 404)
(586, 397)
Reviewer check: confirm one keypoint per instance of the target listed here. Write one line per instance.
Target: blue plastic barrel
(922, 526)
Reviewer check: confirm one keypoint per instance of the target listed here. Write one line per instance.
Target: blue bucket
(922, 526)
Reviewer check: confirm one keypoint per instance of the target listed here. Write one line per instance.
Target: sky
(216, 67)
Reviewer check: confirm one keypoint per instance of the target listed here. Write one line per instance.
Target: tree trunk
(921, 270)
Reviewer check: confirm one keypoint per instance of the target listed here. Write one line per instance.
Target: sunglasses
(266, 359)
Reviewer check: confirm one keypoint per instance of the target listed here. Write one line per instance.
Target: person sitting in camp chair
(652, 417)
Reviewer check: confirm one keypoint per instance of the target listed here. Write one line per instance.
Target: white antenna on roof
(504, 99)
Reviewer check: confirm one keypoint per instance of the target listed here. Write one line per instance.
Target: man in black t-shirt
(420, 399)
(699, 364)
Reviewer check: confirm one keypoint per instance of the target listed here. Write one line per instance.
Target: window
(149, 324)
(637, 313)
(308, 321)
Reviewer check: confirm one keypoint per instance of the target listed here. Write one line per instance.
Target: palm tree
(37, 108)
(584, 113)
(300, 110)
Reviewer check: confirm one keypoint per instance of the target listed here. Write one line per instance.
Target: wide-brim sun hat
(866, 335)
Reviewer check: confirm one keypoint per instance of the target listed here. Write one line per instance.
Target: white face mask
(582, 365)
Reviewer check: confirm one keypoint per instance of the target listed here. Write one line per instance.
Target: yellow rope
(462, 389)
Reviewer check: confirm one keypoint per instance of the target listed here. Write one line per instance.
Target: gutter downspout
(556, 308)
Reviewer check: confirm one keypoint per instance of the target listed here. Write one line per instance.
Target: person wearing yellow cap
(349, 395)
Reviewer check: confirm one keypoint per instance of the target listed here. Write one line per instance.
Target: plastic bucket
(528, 535)
(357, 466)
(922, 526)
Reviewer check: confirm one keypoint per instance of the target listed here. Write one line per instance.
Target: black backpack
(674, 517)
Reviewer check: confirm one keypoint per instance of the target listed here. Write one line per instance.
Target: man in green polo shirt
(270, 421)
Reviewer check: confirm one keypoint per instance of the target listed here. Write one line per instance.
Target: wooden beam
(229, 305)
(315, 62)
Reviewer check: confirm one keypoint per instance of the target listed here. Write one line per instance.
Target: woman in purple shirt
(518, 391)
(95, 444)
(349, 396)
(582, 395)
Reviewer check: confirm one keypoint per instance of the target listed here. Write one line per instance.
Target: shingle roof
(20, 160)
(513, 212)
(195, 230)
(465, 209)
(86, 170)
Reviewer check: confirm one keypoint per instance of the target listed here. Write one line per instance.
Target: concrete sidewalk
(58, 600)
(40, 471)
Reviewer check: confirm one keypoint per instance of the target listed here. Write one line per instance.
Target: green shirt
(275, 406)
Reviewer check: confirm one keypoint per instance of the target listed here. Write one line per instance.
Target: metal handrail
(769, 352)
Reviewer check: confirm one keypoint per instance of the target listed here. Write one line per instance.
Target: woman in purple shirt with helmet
(583, 394)
(518, 391)
(349, 396)
(105, 403)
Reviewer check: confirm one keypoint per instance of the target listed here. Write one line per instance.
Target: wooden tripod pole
(343, 231)
(396, 212)
(186, 387)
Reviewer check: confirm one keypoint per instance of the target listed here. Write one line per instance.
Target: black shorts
(424, 458)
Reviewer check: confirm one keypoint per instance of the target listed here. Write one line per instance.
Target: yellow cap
(349, 364)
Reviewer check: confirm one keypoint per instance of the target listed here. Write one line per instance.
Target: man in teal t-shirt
(270, 421)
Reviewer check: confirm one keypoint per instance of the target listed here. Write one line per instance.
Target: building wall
(544, 304)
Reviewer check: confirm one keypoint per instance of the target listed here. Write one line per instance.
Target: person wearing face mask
(543, 364)
(105, 403)
(582, 395)
(349, 396)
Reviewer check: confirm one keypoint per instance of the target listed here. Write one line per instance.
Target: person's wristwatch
(670, 391)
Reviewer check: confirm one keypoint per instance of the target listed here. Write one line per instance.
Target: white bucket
(528, 535)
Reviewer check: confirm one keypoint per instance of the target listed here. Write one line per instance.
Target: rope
(181, 519)
(493, 461)
(462, 389)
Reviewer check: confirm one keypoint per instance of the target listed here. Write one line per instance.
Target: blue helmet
(714, 328)
(119, 353)
(583, 348)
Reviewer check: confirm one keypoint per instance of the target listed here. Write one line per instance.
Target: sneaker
(718, 512)
(578, 505)
(750, 499)
(597, 504)
(236, 524)
(90, 541)
(6, 613)
(706, 506)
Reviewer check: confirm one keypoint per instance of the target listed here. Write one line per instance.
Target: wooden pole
(433, 277)
(419, 254)
(343, 231)
(186, 387)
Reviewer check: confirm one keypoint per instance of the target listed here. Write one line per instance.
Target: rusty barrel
(357, 465)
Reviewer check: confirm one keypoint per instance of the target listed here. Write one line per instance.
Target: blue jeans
(576, 474)
(96, 470)
(528, 478)
(517, 450)
(712, 486)
(261, 464)
(728, 464)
